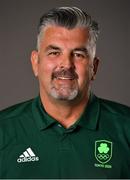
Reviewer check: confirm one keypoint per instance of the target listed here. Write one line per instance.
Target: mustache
(65, 73)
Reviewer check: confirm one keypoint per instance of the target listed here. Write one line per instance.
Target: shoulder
(114, 108)
(115, 120)
(15, 122)
(16, 110)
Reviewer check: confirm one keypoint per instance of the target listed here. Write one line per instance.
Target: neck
(65, 112)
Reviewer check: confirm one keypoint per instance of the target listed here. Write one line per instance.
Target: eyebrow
(50, 47)
(83, 49)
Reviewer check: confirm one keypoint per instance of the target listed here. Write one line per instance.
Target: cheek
(82, 71)
(45, 74)
(46, 68)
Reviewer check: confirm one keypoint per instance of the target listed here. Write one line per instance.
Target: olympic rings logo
(103, 156)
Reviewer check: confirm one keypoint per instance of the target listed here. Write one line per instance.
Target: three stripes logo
(27, 156)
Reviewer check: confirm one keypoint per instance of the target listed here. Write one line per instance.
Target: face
(62, 64)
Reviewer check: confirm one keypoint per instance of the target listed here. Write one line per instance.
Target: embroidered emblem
(103, 152)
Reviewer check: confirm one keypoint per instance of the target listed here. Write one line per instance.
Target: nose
(66, 61)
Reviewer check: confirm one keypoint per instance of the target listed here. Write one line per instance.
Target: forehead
(61, 35)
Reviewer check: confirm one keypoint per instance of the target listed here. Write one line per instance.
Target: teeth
(64, 78)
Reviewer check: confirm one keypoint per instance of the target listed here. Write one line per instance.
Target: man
(66, 132)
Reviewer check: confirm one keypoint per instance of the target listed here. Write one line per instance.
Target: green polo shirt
(34, 145)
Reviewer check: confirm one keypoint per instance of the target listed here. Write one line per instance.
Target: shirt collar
(43, 120)
(88, 119)
(90, 116)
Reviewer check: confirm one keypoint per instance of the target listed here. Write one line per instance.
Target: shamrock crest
(103, 148)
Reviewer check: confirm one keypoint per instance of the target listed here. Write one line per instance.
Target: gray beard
(59, 95)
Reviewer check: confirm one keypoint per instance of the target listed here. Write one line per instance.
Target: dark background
(18, 29)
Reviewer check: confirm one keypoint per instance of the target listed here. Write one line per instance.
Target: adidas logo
(27, 156)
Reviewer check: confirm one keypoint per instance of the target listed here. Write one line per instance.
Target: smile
(65, 78)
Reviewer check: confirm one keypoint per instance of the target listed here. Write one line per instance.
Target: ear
(95, 67)
(34, 62)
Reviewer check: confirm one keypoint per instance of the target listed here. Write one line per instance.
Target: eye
(79, 55)
(53, 53)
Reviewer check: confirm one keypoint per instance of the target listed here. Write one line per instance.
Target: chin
(64, 97)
